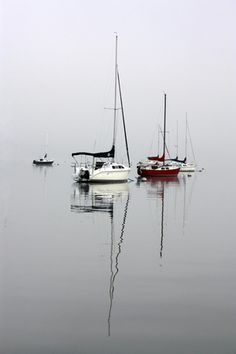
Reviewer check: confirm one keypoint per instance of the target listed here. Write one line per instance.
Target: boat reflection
(42, 168)
(156, 186)
(170, 194)
(156, 189)
(97, 198)
(43, 173)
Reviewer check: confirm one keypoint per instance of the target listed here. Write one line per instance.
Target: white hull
(187, 168)
(184, 167)
(109, 173)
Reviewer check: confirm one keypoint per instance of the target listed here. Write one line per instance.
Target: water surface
(143, 267)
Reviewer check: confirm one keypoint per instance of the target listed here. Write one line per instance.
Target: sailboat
(103, 168)
(44, 159)
(183, 164)
(156, 166)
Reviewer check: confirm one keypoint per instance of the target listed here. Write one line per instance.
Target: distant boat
(43, 161)
(183, 164)
(102, 167)
(157, 166)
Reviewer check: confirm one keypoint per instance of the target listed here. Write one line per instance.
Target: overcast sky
(57, 73)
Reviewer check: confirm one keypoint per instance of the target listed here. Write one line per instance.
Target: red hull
(143, 172)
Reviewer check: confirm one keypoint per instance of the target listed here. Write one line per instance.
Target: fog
(57, 73)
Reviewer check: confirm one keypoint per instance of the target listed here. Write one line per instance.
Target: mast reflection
(90, 198)
(170, 193)
(156, 189)
(114, 273)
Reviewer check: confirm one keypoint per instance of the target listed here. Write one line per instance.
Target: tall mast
(164, 134)
(46, 142)
(177, 140)
(115, 93)
(158, 141)
(186, 134)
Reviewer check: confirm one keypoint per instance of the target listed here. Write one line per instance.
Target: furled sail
(157, 158)
(178, 160)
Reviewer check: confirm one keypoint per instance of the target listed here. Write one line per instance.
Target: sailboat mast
(115, 93)
(164, 133)
(186, 134)
(46, 142)
(188, 131)
(177, 140)
(158, 140)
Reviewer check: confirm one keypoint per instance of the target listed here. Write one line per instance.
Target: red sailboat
(156, 166)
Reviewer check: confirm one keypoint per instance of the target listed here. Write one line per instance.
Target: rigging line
(191, 144)
(161, 132)
(186, 135)
(154, 132)
(123, 118)
(177, 139)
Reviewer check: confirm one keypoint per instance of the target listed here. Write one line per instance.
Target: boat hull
(103, 175)
(38, 162)
(187, 168)
(158, 172)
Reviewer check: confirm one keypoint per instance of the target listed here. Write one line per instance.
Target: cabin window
(99, 164)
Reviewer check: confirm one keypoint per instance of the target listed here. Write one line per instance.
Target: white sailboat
(183, 164)
(102, 167)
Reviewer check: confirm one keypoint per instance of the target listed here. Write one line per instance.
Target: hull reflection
(97, 197)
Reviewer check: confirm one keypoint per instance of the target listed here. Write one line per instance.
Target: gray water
(143, 267)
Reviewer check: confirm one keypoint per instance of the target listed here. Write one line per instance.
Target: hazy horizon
(57, 68)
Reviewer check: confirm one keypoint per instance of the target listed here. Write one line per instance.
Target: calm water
(129, 268)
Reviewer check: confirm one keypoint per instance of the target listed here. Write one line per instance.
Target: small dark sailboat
(183, 164)
(157, 166)
(43, 161)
